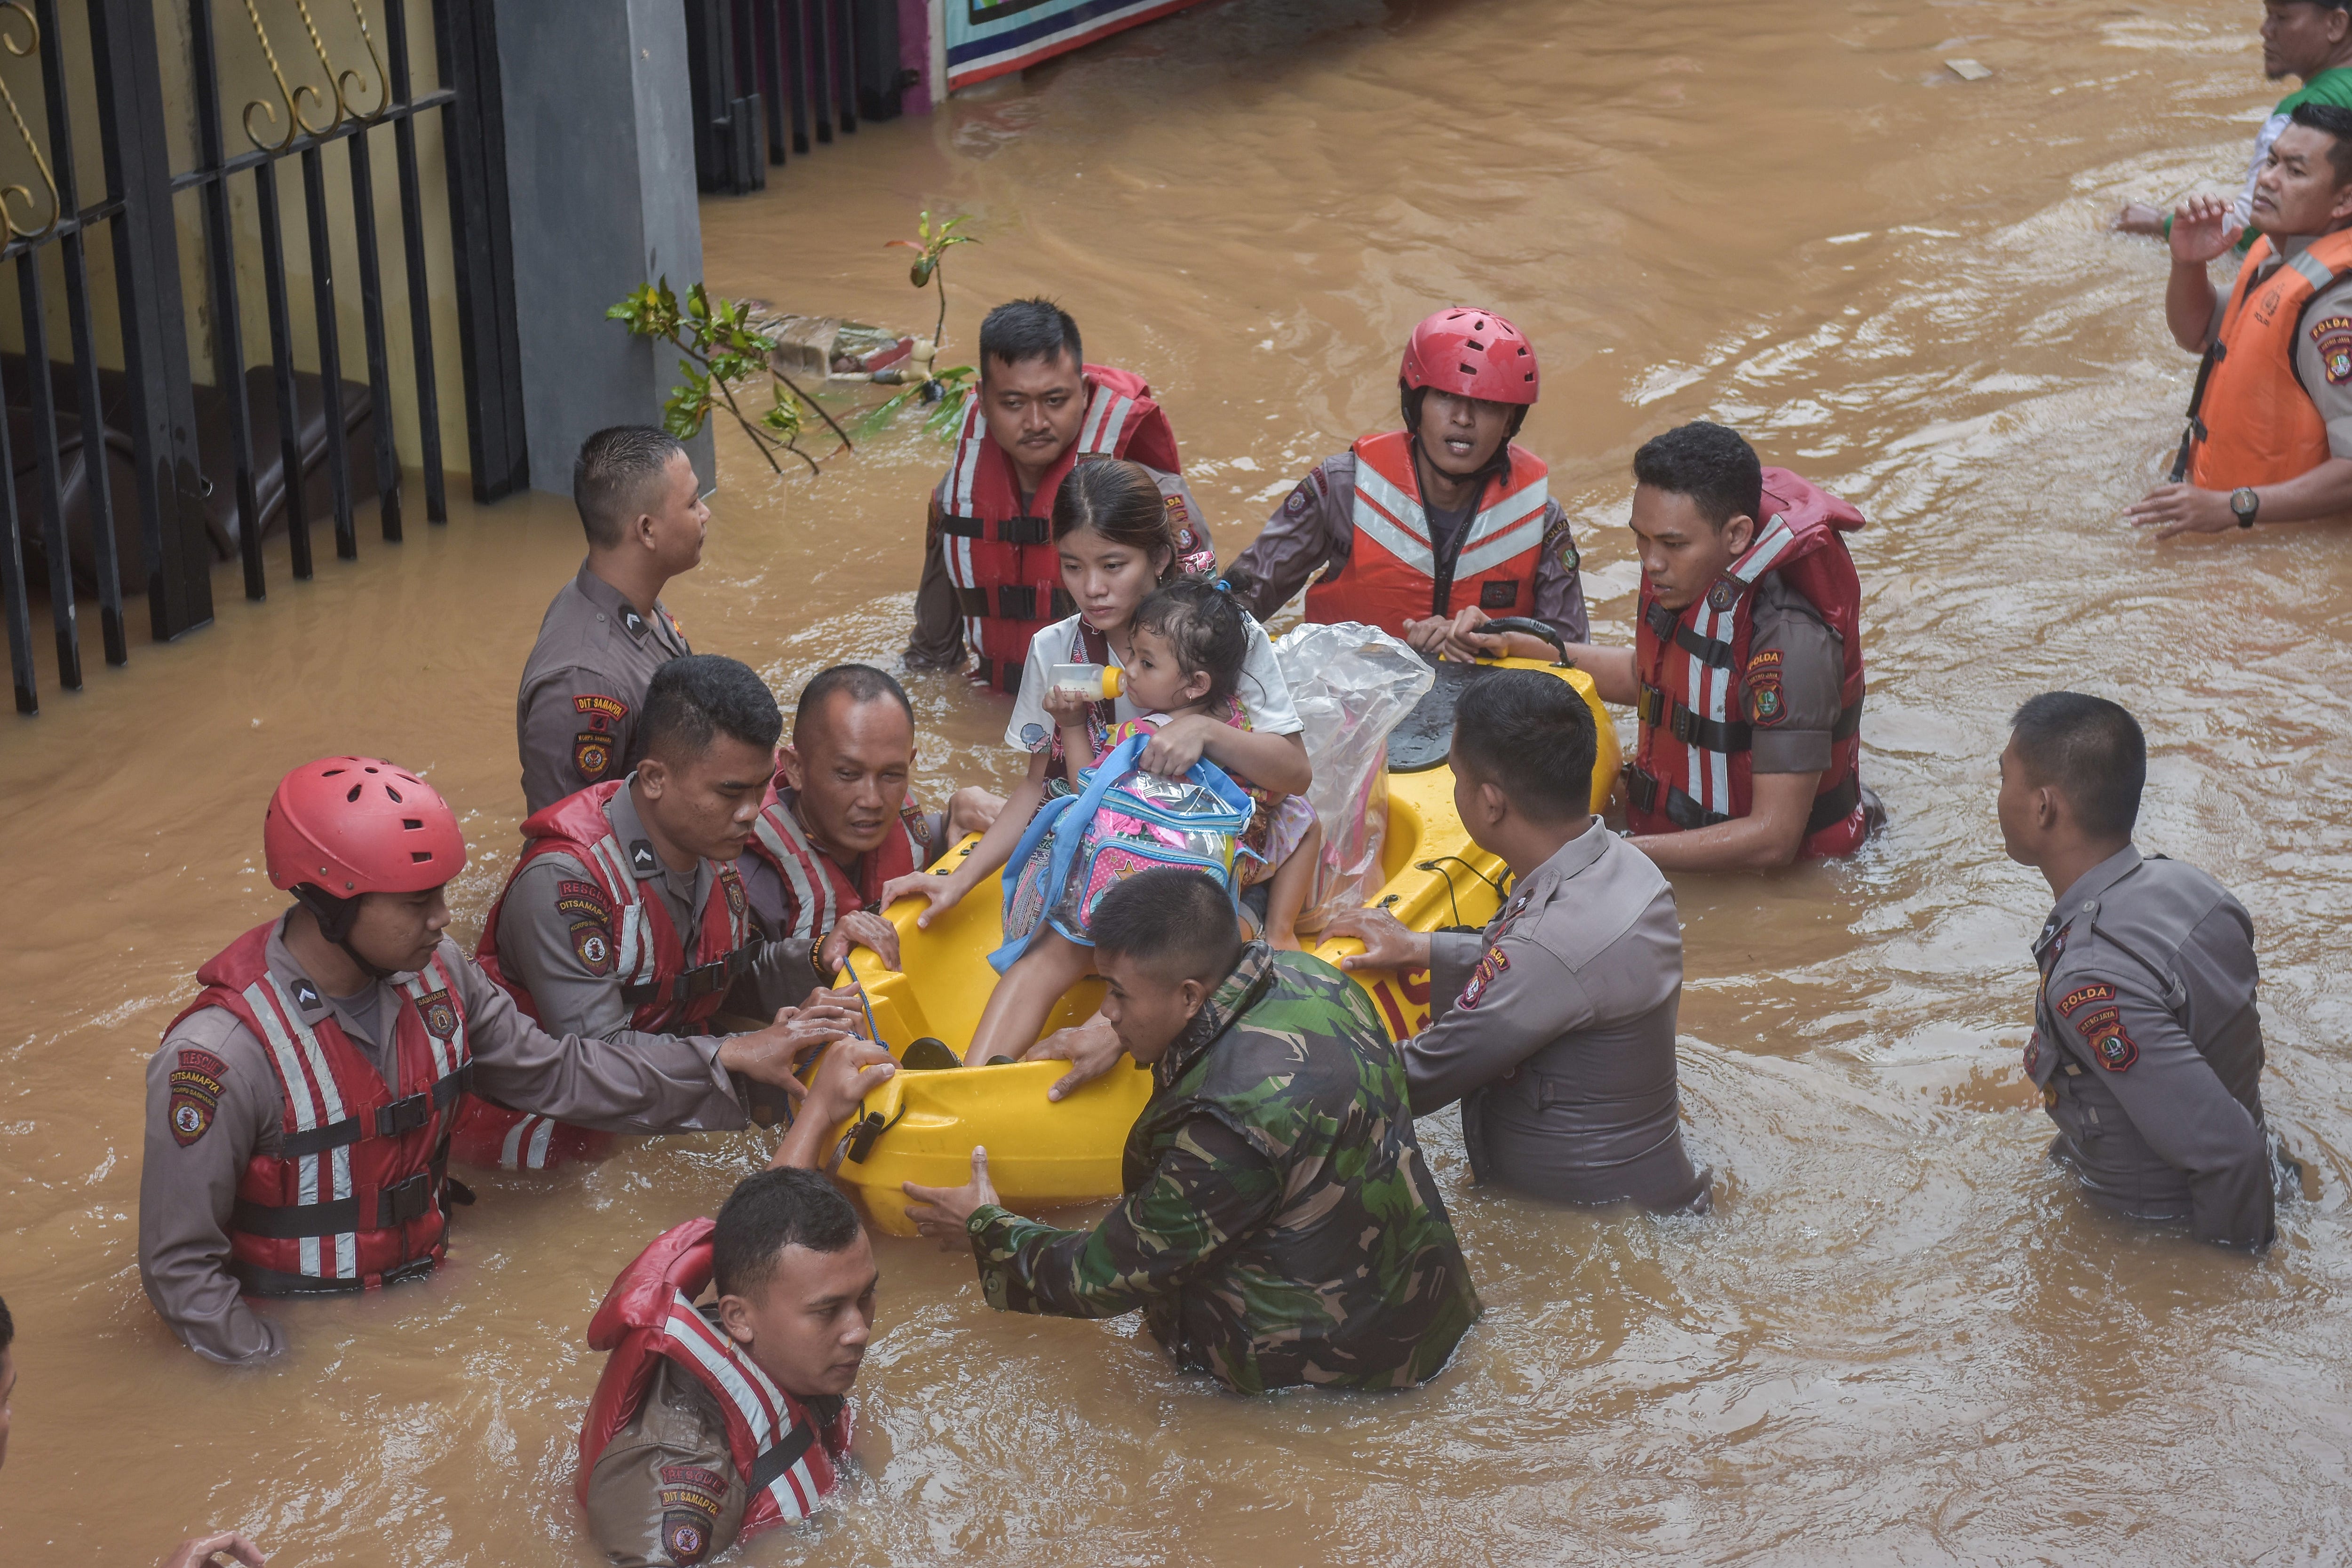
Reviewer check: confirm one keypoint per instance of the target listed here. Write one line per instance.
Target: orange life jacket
(1006, 572)
(784, 1455)
(669, 994)
(2256, 422)
(1392, 572)
(1692, 766)
(352, 1199)
(817, 892)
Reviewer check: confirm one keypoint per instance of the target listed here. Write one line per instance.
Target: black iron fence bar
(844, 61)
(281, 356)
(795, 33)
(105, 553)
(72, 223)
(816, 53)
(766, 55)
(12, 578)
(229, 316)
(387, 455)
(42, 394)
(330, 360)
(440, 97)
(420, 303)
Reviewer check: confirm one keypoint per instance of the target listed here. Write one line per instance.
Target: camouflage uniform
(1279, 1226)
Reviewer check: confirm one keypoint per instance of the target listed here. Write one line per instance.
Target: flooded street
(1899, 1338)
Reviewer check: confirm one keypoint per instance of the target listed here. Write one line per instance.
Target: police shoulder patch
(598, 705)
(2334, 338)
(2083, 996)
(918, 822)
(2114, 1048)
(583, 900)
(690, 1500)
(592, 755)
(440, 1015)
(1723, 595)
(1764, 658)
(1765, 706)
(1301, 497)
(196, 1089)
(732, 886)
(592, 943)
(1491, 963)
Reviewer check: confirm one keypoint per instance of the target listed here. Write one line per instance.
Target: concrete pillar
(600, 162)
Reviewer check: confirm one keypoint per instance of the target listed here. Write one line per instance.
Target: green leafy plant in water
(931, 243)
(724, 356)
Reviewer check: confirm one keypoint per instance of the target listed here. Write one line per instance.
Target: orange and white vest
(2257, 425)
(785, 1455)
(1002, 561)
(1692, 765)
(668, 994)
(352, 1199)
(1392, 572)
(817, 892)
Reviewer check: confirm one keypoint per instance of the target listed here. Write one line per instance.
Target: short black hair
(1530, 735)
(702, 695)
(2334, 120)
(1172, 918)
(610, 478)
(2092, 750)
(862, 681)
(1203, 624)
(766, 1214)
(7, 1327)
(1710, 463)
(1028, 329)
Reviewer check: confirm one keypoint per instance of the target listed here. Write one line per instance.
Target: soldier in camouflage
(1279, 1226)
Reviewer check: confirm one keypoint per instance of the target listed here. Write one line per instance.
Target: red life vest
(2257, 425)
(668, 993)
(817, 892)
(1392, 572)
(1692, 765)
(785, 1455)
(352, 1201)
(1002, 561)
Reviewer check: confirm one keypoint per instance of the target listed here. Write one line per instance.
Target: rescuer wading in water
(1554, 1026)
(1446, 511)
(625, 917)
(840, 822)
(577, 717)
(2270, 437)
(713, 1424)
(2147, 1045)
(299, 1111)
(1278, 1226)
(991, 578)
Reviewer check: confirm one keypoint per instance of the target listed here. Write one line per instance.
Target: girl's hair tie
(1222, 587)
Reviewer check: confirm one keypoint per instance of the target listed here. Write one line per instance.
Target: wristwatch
(2244, 503)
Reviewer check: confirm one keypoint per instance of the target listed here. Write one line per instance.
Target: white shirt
(1265, 696)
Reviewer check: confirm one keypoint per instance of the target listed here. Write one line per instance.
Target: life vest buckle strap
(963, 527)
(318, 1140)
(1025, 530)
(1849, 723)
(1668, 626)
(1653, 795)
(1659, 711)
(1834, 805)
(1016, 600)
(971, 601)
(702, 980)
(405, 1114)
(255, 1280)
(405, 1201)
(782, 1456)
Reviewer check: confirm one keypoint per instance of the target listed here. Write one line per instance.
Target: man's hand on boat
(848, 1072)
(1091, 1049)
(769, 1056)
(859, 928)
(1389, 943)
(943, 1213)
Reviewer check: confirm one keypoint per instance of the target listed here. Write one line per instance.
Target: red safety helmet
(360, 824)
(1471, 353)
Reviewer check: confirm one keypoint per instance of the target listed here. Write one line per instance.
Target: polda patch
(2083, 996)
(592, 943)
(592, 755)
(196, 1089)
(1491, 963)
(1764, 658)
(439, 1012)
(2334, 337)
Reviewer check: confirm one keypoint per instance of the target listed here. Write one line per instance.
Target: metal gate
(140, 475)
(770, 77)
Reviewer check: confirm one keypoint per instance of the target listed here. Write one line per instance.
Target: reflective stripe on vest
(313, 1097)
(1709, 772)
(1391, 572)
(2258, 425)
(778, 1464)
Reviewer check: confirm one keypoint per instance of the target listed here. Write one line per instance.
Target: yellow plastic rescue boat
(922, 1126)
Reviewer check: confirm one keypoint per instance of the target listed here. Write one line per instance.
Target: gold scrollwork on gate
(348, 83)
(292, 97)
(11, 195)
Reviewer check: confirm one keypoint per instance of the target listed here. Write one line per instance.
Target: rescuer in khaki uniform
(2148, 1047)
(1554, 1026)
(298, 1113)
(605, 633)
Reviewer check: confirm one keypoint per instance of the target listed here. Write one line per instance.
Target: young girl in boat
(1111, 529)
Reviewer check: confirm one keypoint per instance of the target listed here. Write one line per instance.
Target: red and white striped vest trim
(1510, 528)
(1709, 780)
(758, 1403)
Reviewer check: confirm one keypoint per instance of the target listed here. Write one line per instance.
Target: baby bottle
(1095, 682)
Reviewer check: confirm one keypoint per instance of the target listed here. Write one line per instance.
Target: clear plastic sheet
(1351, 684)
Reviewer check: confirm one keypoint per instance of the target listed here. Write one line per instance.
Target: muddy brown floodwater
(1899, 1338)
